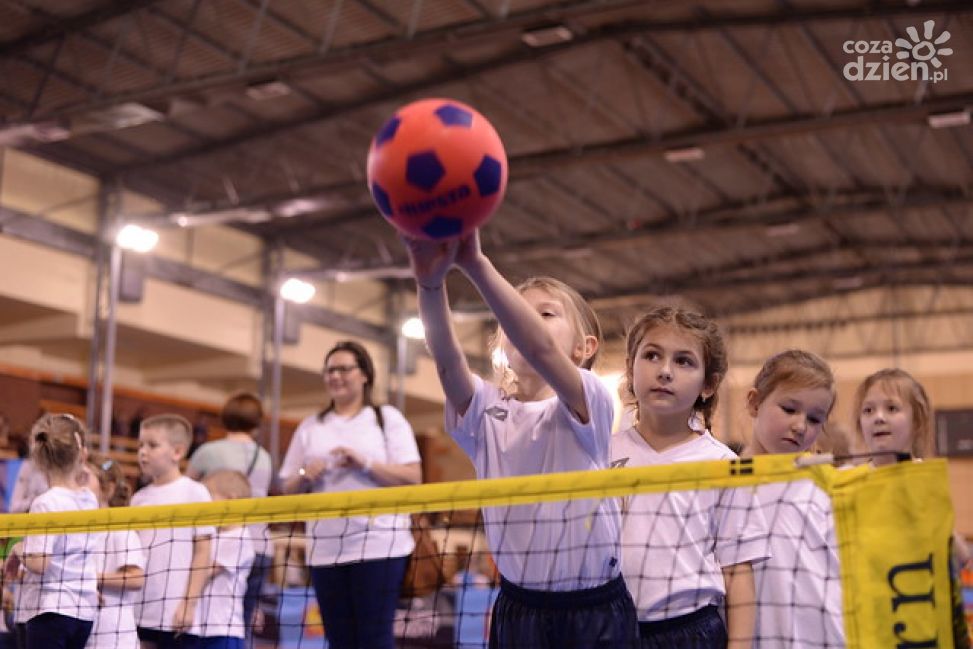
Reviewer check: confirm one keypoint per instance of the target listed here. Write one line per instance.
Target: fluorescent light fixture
(949, 120)
(413, 329)
(136, 238)
(297, 290)
(269, 90)
(684, 154)
(783, 230)
(303, 205)
(546, 36)
(236, 215)
(848, 283)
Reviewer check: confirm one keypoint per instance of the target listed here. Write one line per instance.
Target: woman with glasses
(357, 564)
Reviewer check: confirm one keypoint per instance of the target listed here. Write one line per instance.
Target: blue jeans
(54, 631)
(357, 602)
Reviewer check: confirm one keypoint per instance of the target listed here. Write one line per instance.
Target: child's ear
(709, 391)
(752, 404)
(588, 347)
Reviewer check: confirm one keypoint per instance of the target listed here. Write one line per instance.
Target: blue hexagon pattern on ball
(488, 176)
(381, 198)
(387, 132)
(424, 170)
(443, 227)
(437, 169)
(453, 115)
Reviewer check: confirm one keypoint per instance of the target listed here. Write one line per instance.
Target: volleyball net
(840, 557)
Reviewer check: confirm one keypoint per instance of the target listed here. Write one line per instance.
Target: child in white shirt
(685, 554)
(59, 595)
(176, 557)
(120, 564)
(561, 583)
(799, 587)
(219, 622)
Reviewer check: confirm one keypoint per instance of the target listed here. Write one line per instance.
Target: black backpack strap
(381, 420)
(253, 462)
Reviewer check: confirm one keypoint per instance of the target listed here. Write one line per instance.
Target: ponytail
(57, 442)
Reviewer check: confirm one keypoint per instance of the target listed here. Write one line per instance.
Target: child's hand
(182, 621)
(468, 250)
(430, 260)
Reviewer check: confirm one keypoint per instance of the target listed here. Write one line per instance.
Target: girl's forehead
(672, 338)
(537, 295)
(884, 391)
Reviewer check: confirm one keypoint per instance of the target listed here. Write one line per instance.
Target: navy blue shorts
(702, 629)
(167, 639)
(593, 618)
(55, 631)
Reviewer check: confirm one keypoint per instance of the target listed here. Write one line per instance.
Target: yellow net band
(435, 497)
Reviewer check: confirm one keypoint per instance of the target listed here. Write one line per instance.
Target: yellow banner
(894, 525)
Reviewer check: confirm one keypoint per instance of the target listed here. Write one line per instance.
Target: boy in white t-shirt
(177, 558)
(218, 622)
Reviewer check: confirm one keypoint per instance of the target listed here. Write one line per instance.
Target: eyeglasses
(340, 369)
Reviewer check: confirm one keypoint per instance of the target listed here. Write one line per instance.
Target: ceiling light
(116, 117)
(783, 230)
(848, 283)
(303, 205)
(269, 90)
(136, 238)
(238, 215)
(297, 290)
(949, 120)
(685, 154)
(414, 329)
(546, 36)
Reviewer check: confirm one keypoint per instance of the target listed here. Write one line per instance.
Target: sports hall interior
(709, 153)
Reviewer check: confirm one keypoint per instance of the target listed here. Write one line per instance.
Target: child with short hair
(219, 622)
(59, 595)
(177, 558)
(685, 554)
(561, 584)
(120, 563)
(799, 587)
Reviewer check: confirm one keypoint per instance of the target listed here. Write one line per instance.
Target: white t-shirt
(359, 538)
(233, 455)
(169, 553)
(220, 609)
(555, 546)
(799, 587)
(69, 585)
(675, 544)
(115, 624)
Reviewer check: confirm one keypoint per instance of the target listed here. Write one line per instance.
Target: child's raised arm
(431, 261)
(523, 326)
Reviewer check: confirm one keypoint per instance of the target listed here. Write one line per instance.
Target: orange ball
(437, 169)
